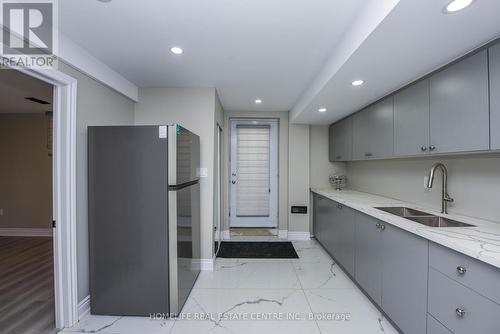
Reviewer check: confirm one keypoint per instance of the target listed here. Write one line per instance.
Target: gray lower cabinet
(368, 256)
(342, 237)
(373, 131)
(404, 259)
(459, 107)
(435, 327)
(494, 56)
(321, 216)
(411, 120)
(460, 309)
(341, 140)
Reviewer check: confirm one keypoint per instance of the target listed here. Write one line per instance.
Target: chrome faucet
(445, 197)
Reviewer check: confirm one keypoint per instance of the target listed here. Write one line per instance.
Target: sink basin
(403, 211)
(435, 221)
(423, 218)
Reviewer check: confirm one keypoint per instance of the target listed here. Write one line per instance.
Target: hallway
(263, 296)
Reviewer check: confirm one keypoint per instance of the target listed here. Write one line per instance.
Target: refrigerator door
(184, 226)
(184, 214)
(184, 154)
(128, 236)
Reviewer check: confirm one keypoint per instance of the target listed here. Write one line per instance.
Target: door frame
(274, 161)
(64, 193)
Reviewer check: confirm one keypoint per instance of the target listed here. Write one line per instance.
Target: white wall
(298, 176)
(473, 181)
(194, 109)
(96, 105)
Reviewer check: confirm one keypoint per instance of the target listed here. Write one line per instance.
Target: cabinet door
(459, 110)
(316, 216)
(368, 256)
(495, 96)
(411, 120)
(373, 131)
(342, 140)
(342, 237)
(404, 279)
(331, 143)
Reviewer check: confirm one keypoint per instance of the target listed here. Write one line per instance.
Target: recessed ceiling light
(258, 101)
(457, 5)
(322, 109)
(357, 82)
(176, 50)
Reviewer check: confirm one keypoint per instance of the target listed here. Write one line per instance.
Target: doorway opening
(253, 176)
(27, 284)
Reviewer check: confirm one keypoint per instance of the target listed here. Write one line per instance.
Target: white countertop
(481, 241)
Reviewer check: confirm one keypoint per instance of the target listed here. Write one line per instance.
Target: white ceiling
(16, 86)
(414, 39)
(247, 49)
(295, 55)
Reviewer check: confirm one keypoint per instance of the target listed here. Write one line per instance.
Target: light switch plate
(202, 172)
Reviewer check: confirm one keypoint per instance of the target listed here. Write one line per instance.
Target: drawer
(435, 327)
(479, 276)
(446, 297)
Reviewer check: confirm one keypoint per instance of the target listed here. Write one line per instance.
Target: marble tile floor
(306, 295)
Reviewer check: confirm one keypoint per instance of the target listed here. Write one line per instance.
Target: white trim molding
(26, 232)
(283, 234)
(206, 264)
(64, 193)
(84, 308)
(299, 235)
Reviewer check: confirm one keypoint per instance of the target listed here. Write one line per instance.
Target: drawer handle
(460, 312)
(461, 270)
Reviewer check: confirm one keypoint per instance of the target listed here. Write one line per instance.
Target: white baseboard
(25, 232)
(299, 235)
(283, 234)
(226, 235)
(206, 264)
(84, 308)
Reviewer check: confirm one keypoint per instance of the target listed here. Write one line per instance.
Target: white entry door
(254, 173)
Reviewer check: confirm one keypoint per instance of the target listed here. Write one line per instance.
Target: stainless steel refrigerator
(144, 218)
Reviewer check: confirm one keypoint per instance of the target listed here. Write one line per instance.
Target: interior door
(254, 173)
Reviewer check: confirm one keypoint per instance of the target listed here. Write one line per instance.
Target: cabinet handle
(368, 154)
(432, 148)
(423, 148)
(378, 225)
(382, 227)
(460, 312)
(339, 206)
(461, 270)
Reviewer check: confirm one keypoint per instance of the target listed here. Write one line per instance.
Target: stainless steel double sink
(422, 217)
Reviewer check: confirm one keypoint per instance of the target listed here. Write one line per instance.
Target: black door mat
(257, 250)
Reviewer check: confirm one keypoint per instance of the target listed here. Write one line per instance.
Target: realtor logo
(28, 34)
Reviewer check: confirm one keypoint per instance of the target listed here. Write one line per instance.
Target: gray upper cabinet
(459, 108)
(411, 120)
(373, 131)
(494, 53)
(404, 278)
(368, 256)
(341, 140)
